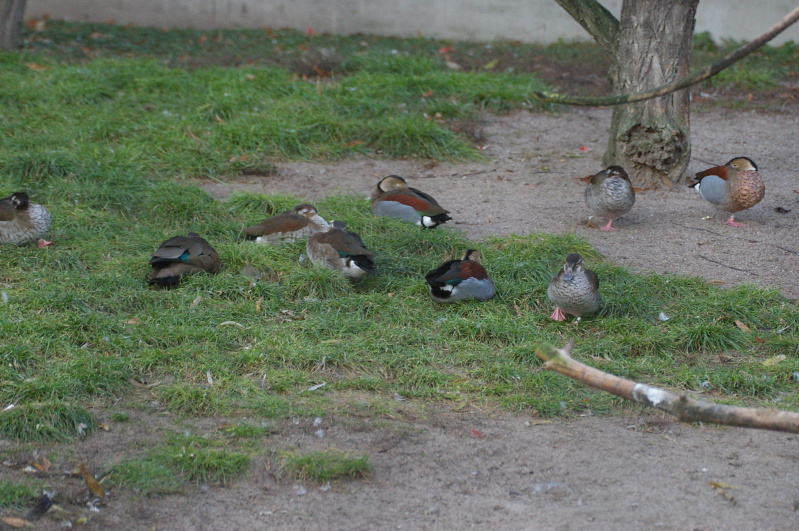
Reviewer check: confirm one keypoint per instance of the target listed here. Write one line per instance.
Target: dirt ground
(435, 468)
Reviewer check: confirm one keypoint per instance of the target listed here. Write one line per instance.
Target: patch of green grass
(211, 466)
(45, 422)
(329, 465)
(120, 417)
(148, 476)
(109, 143)
(166, 467)
(244, 430)
(16, 494)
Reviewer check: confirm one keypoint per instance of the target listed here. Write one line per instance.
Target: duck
(23, 222)
(303, 220)
(459, 280)
(342, 250)
(609, 195)
(733, 187)
(574, 290)
(181, 256)
(393, 198)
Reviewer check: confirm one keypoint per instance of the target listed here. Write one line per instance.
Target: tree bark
(652, 139)
(650, 46)
(11, 13)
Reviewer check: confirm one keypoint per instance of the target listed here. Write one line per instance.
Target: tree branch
(595, 19)
(684, 408)
(693, 79)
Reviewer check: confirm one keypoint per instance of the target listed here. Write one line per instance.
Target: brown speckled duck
(458, 280)
(301, 221)
(393, 198)
(733, 187)
(574, 290)
(181, 256)
(23, 222)
(609, 195)
(342, 250)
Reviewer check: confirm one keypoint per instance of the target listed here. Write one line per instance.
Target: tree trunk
(652, 139)
(11, 13)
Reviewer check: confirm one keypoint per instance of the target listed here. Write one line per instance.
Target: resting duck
(393, 198)
(289, 226)
(342, 250)
(180, 256)
(609, 195)
(23, 222)
(459, 280)
(733, 187)
(574, 290)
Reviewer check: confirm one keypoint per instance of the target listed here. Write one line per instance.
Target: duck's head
(472, 255)
(392, 183)
(742, 164)
(617, 171)
(20, 199)
(306, 210)
(573, 266)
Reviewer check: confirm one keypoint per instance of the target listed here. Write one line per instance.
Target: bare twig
(693, 79)
(738, 238)
(727, 266)
(684, 408)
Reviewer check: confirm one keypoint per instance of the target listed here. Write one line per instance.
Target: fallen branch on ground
(684, 408)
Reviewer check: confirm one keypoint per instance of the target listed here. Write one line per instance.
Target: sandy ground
(435, 468)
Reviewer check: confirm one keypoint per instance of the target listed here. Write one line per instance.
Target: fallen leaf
(491, 64)
(133, 321)
(445, 49)
(317, 386)
(251, 77)
(201, 39)
(720, 485)
(585, 148)
(92, 483)
(44, 466)
(773, 361)
(36, 67)
(209, 378)
(232, 323)
(195, 302)
(353, 143)
(476, 433)
(43, 243)
(218, 119)
(742, 326)
(16, 522)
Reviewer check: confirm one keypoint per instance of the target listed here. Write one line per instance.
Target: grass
(328, 465)
(51, 421)
(166, 468)
(109, 138)
(14, 494)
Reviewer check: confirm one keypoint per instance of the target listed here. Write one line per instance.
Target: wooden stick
(683, 407)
